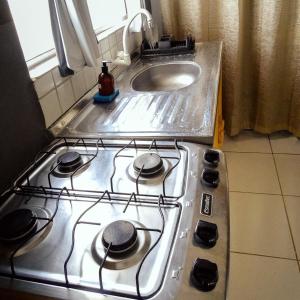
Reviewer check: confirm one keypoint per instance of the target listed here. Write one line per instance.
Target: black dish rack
(168, 46)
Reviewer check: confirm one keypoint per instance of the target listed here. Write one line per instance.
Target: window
(33, 24)
(105, 14)
(32, 21)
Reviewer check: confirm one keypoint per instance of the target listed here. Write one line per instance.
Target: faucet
(123, 57)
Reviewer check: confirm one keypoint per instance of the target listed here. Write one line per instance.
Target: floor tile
(293, 210)
(262, 278)
(258, 225)
(252, 172)
(284, 142)
(247, 141)
(288, 167)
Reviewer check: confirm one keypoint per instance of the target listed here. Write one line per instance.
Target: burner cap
(150, 162)
(69, 161)
(17, 224)
(121, 234)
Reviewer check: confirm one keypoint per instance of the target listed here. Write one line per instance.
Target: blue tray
(105, 99)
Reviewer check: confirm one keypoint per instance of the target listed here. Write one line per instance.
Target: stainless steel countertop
(187, 114)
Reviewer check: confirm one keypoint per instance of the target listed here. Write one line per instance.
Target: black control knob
(204, 275)
(206, 234)
(210, 178)
(211, 158)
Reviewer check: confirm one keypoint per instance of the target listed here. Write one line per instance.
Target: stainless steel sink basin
(166, 77)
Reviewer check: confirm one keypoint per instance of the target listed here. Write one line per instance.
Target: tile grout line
(284, 205)
(254, 152)
(263, 255)
(261, 193)
(256, 193)
(246, 152)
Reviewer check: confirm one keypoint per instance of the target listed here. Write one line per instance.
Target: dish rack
(168, 46)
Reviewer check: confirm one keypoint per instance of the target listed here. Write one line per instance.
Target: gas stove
(110, 219)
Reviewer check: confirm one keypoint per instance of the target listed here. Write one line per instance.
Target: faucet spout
(124, 57)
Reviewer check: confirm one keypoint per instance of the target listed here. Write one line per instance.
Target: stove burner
(18, 224)
(69, 162)
(116, 261)
(150, 163)
(122, 235)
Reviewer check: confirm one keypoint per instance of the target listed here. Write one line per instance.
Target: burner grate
(95, 197)
(108, 197)
(100, 143)
(160, 201)
(153, 144)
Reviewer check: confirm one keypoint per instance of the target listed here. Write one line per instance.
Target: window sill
(42, 68)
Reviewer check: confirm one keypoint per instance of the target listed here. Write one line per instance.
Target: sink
(166, 77)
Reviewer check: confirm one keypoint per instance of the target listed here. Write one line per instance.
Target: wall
(57, 94)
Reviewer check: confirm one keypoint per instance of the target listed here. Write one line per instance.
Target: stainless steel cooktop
(118, 218)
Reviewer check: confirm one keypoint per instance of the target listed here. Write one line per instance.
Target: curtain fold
(261, 57)
(75, 40)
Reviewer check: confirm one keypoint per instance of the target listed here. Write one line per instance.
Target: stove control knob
(211, 158)
(204, 275)
(206, 234)
(210, 178)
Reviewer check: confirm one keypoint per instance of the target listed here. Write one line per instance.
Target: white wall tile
(44, 84)
(107, 55)
(90, 76)
(99, 49)
(113, 52)
(65, 95)
(79, 84)
(112, 40)
(50, 107)
(120, 46)
(104, 45)
(119, 35)
(58, 79)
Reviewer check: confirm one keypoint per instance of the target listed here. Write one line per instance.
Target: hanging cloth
(73, 33)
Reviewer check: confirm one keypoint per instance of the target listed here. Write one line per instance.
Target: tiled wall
(57, 94)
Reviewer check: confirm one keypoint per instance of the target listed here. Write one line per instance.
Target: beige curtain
(261, 57)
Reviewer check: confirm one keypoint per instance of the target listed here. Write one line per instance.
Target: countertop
(187, 114)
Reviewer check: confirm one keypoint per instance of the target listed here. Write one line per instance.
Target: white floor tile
(252, 172)
(284, 142)
(247, 141)
(293, 210)
(262, 278)
(259, 225)
(288, 167)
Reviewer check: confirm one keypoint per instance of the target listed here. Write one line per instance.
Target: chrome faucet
(123, 57)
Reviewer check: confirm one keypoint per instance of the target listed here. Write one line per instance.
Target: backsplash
(57, 94)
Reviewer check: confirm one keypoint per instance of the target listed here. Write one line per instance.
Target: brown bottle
(105, 81)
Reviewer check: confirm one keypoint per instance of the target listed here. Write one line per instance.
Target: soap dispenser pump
(105, 81)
